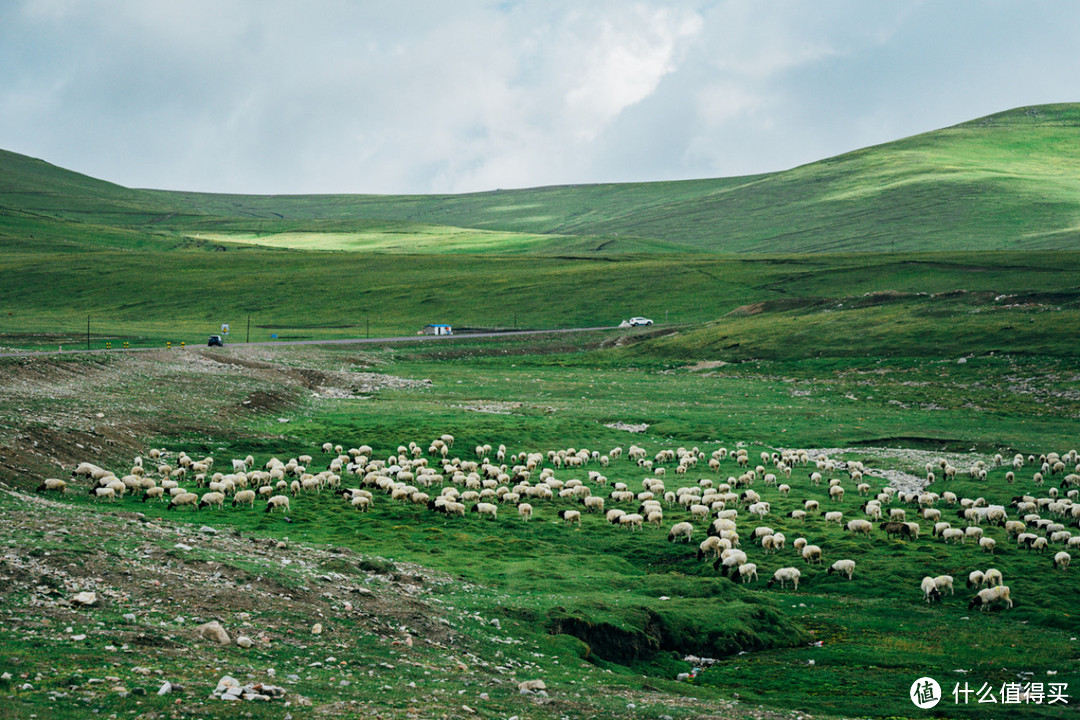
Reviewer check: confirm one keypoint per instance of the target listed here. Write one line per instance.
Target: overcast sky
(419, 96)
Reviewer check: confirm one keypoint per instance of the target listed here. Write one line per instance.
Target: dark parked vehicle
(216, 340)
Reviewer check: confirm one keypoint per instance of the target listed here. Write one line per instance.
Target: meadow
(896, 306)
(591, 596)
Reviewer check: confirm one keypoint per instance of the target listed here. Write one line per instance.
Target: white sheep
(943, 583)
(993, 577)
(212, 498)
(953, 534)
(988, 544)
(811, 554)
(930, 589)
(571, 516)
(729, 560)
(1062, 560)
(681, 530)
(843, 567)
(784, 576)
(525, 511)
(486, 509)
(744, 572)
(593, 503)
(182, 499)
(987, 596)
(244, 496)
(277, 501)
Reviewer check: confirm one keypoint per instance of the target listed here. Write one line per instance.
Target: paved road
(346, 341)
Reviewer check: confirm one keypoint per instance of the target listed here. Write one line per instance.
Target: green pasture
(859, 305)
(1004, 182)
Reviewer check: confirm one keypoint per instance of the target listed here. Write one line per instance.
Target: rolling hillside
(998, 183)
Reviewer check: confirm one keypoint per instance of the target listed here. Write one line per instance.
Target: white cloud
(424, 96)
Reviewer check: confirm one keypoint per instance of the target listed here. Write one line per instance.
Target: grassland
(1003, 182)
(590, 597)
(784, 320)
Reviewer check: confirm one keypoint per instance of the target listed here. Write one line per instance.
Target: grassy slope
(1001, 182)
(877, 634)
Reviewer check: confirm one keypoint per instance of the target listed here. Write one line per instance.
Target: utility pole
(247, 339)
(88, 331)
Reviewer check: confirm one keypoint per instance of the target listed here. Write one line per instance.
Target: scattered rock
(215, 632)
(316, 629)
(206, 529)
(166, 688)
(244, 641)
(182, 546)
(230, 689)
(85, 599)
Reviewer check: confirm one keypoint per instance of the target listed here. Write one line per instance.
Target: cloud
(274, 96)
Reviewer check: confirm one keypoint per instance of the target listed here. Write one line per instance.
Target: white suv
(639, 321)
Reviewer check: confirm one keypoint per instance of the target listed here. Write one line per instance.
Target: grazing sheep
(988, 544)
(836, 517)
(212, 498)
(681, 530)
(525, 511)
(1062, 560)
(863, 527)
(953, 534)
(812, 554)
(52, 484)
(488, 509)
(943, 583)
(902, 529)
(277, 501)
(184, 498)
(993, 577)
(710, 546)
(571, 516)
(729, 560)
(930, 590)
(784, 576)
(976, 579)
(614, 515)
(991, 595)
(154, 492)
(593, 503)
(632, 521)
(744, 572)
(843, 567)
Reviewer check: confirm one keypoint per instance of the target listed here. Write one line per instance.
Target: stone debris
(215, 632)
(85, 599)
(244, 641)
(229, 688)
(529, 686)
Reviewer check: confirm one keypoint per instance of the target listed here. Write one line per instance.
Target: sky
(429, 96)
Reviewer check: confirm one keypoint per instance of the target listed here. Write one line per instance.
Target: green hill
(998, 183)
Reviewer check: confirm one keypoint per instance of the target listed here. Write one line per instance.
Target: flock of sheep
(729, 513)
